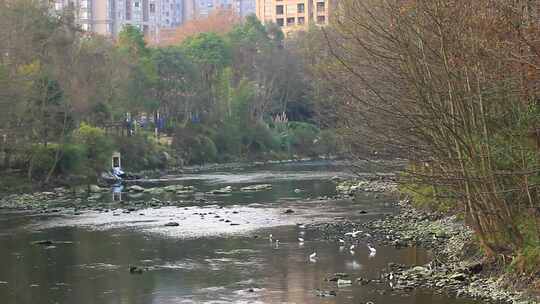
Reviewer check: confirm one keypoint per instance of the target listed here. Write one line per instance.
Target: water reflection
(194, 263)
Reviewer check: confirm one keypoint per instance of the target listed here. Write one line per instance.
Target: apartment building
(107, 17)
(244, 7)
(294, 15)
(203, 8)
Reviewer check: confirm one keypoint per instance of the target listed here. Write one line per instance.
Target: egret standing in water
(313, 257)
(372, 250)
(353, 234)
(270, 238)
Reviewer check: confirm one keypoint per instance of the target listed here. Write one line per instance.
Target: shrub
(303, 138)
(41, 160)
(141, 152)
(259, 139)
(427, 197)
(98, 148)
(194, 148)
(328, 143)
(228, 141)
(72, 160)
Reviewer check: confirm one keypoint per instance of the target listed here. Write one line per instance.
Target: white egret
(372, 250)
(354, 233)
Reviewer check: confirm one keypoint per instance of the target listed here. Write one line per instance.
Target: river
(219, 253)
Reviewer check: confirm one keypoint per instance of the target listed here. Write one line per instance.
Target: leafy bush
(328, 143)
(228, 141)
(142, 152)
(41, 160)
(194, 148)
(260, 138)
(427, 197)
(303, 137)
(98, 148)
(528, 258)
(72, 160)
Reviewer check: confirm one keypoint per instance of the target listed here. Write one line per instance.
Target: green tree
(175, 85)
(211, 53)
(98, 149)
(131, 41)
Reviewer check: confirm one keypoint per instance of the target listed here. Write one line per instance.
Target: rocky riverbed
(457, 267)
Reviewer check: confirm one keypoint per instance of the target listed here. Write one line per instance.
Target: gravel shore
(458, 268)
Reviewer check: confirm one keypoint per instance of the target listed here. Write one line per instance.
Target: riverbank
(457, 269)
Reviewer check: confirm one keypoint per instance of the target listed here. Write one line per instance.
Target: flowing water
(219, 253)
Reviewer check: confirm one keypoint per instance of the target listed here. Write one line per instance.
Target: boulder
(458, 277)
(342, 282)
(172, 224)
(43, 242)
(136, 188)
(225, 190)
(254, 188)
(95, 188)
(136, 269)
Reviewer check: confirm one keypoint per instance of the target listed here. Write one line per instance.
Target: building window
(279, 10)
(290, 21)
(152, 8)
(321, 19)
(320, 7)
(301, 20)
(279, 21)
(136, 4)
(145, 10)
(301, 8)
(128, 9)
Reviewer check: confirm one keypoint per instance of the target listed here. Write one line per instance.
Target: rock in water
(253, 188)
(458, 277)
(136, 270)
(225, 190)
(172, 224)
(136, 188)
(289, 211)
(43, 242)
(95, 188)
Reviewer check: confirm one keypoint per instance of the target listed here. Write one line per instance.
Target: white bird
(270, 237)
(351, 252)
(341, 241)
(352, 247)
(353, 234)
(372, 250)
(313, 256)
(301, 240)
(301, 232)
(341, 248)
(301, 226)
(277, 244)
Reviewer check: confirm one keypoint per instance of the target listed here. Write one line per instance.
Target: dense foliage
(453, 88)
(70, 98)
